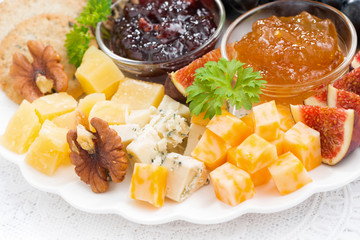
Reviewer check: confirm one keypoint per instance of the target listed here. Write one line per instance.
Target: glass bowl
(157, 71)
(295, 93)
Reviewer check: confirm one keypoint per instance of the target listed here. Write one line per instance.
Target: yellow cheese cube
(139, 94)
(259, 177)
(22, 129)
(232, 185)
(230, 128)
(53, 105)
(286, 118)
(148, 183)
(266, 120)
(49, 150)
(68, 120)
(88, 102)
(255, 153)
(304, 143)
(289, 173)
(211, 149)
(249, 120)
(98, 73)
(111, 112)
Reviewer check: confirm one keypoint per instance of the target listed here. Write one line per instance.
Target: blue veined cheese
(127, 132)
(185, 176)
(169, 104)
(170, 126)
(144, 148)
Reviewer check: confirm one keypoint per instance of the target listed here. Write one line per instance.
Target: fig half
(336, 127)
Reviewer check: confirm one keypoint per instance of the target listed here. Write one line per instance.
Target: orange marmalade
(290, 50)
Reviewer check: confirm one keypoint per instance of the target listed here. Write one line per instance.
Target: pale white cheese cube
(144, 148)
(127, 132)
(169, 104)
(141, 117)
(185, 176)
(196, 132)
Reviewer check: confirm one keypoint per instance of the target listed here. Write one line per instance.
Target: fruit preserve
(291, 50)
(160, 30)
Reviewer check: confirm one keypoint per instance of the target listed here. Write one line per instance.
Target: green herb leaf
(95, 11)
(76, 43)
(78, 39)
(222, 81)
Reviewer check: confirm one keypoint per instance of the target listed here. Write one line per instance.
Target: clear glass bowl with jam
(167, 36)
(293, 44)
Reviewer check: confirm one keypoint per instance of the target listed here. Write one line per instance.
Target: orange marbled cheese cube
(279, 143)
(286, 118)
(211, 149)
(230, 128)
(148, 183)
(289, 173)
(232, 185)
(266, 120)
(259, 177)
(249, 120)
(255, 153)
(304, 143)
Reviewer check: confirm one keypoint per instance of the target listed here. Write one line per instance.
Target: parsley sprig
(78, 39)
(222, 81)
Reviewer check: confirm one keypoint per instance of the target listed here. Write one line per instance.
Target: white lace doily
(27, 213)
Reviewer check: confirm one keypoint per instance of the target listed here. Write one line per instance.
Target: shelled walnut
(106, 160)
(44, 75)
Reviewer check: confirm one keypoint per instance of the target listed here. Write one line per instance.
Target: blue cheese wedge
(144, 148)
(185, 176)
(169, 104)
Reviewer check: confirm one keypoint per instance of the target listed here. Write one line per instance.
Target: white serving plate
(202, 207)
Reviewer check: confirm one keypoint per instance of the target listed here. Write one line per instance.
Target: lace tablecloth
(27, 213)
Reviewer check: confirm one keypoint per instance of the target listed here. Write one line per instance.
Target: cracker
(50, 29)
(12, 12)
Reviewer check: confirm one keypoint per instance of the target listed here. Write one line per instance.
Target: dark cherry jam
(160, 30)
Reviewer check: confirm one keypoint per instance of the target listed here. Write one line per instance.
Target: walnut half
(43, 75)
(107, 159)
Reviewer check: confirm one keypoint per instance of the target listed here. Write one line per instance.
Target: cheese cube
(199, 120)
(211, 149)
(266, 120)
(111, 112)
(196, 131)
(68, 120)
(255, 153)
(88, 102)
(169, 104)
(259, 177)
(279, 143)
(304, 143)
(98, 73)
(141, 117)
(49, 150)
(230, 128)
(22, 129)
(185, 176)
(53, 105)
(144, 148)
(139, 94)
(148, 183)
(249, 121)
(289, 173)
(127, 132)
(286, 118)
(232, 185)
